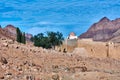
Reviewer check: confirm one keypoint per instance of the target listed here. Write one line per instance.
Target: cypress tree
(23, 39)
(19, 35)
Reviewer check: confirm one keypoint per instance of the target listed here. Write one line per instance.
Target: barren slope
(26, 62)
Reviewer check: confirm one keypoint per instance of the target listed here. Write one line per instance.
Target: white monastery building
(72, 35)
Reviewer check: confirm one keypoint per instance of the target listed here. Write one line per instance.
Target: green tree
(23, 38)
(37, 39)
(59, 38)
(49, 41)
(55, 38)
(19, 35)
(32, 39)
(41, 41)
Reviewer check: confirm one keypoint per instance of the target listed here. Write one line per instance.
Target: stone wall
(69, 45)
(100, 49)
(94, 49)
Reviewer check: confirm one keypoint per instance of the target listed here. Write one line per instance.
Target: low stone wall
(101, 49)
(94, 49)
(68, 45)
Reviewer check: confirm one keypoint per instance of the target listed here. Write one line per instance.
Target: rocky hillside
(26, 62)
(104, 30)
(10, 32)
(7, 34)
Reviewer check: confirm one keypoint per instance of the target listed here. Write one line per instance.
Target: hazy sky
(35, 16)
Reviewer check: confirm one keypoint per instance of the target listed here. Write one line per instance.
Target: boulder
(3, 60)
(5, 45)
(55, 77)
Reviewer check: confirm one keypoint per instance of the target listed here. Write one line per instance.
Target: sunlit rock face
(103, 30)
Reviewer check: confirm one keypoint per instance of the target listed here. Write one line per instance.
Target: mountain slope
(116, 36)
(10, 32)
(6, 34)
(102, 30)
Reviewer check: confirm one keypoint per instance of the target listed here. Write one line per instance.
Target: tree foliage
(51, 39)
(20, 36)
(23, 38)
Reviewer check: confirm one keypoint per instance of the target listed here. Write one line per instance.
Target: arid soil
(26, 62)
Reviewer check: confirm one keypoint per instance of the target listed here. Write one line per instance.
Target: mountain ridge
(102, 30)
(9, 31)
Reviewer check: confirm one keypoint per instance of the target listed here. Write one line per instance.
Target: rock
(9, 73)
(84, 69)
(1, 76)
(3, 38)
(5, 45)
(55, 68)
(3, 60)
(30, 77)
(55, 77)
(10, 41)
(16, 47)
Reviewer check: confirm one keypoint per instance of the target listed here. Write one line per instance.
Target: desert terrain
(26, 62)
(60, 40)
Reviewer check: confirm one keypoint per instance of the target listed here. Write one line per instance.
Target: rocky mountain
(5, 33)
(10, 32)
(116, 37)
(11, 29)
(104, 30)
(28, 36)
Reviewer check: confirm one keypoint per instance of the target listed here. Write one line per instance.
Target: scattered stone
(9, 73)
(17, 47)
(5, 45)
(10, 41)
(1, 77)
(30, 77)
(84, 69)
(55, 77)
(3, 60)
